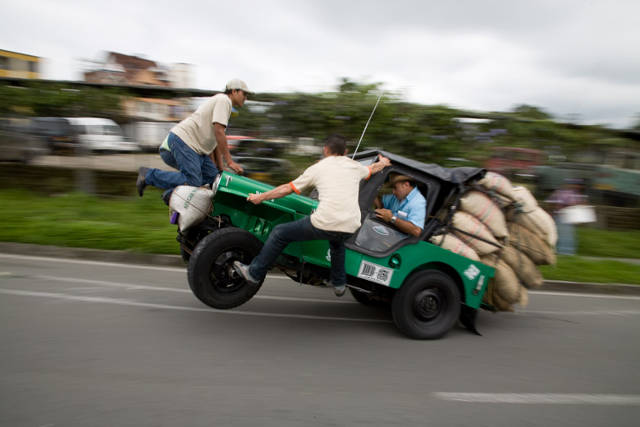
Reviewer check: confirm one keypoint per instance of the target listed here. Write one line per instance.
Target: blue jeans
(298, 231)
(195, 169)
(566, 237)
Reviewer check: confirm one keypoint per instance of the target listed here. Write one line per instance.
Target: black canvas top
(454, 176)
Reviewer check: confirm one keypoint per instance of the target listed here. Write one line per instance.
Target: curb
(123, 257)
(176, 261)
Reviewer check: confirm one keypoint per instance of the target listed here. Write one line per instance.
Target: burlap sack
(524, 297)
(506, 285)
(493, 299)
(483, 208)
(452, 243)
(525, 269)
(532, 245)
(538, 221)
(472, 228)
(502, 201)
(524, 199)
(497, 183)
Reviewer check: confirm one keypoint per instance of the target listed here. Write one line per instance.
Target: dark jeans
(298, 231)
(195, 169)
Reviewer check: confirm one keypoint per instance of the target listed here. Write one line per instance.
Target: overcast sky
(578, 60)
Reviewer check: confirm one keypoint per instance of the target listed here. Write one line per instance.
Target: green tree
(531, 112)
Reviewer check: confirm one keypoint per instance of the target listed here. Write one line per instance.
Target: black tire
(427, 305)
(211, 275)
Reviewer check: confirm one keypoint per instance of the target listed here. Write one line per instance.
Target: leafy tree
(531, 112)
(46, 100)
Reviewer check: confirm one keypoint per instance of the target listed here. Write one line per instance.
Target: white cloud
(569, 57)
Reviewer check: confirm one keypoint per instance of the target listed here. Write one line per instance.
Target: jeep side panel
(390, 271)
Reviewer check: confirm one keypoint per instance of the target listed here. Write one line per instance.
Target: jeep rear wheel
(427, 305)
(211, 275)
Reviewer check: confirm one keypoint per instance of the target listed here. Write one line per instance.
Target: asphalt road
(97, 344)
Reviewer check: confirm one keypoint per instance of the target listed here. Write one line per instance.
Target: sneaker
(339, 290)
(140, 183)
(243, 271)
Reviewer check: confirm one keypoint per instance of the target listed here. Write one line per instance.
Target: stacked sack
(503, 226)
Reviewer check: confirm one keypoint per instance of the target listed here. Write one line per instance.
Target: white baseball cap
(237, 84)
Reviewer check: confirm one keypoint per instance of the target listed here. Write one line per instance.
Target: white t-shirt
(337, 179)
(197, 130)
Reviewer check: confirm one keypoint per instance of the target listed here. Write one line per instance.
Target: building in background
(19, 65)
(181, 75)
(150, 119)
(121, 69)
(156, 109)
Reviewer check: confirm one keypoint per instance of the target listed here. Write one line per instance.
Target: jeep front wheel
(427, 305)
(211, 275)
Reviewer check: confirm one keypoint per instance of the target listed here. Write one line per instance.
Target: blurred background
(543, 94)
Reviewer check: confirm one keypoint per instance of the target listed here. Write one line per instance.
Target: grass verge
(79, 220)
(577, 269)
(142, 225)
(608, 243)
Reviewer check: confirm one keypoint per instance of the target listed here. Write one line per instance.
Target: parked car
(57, 133)
(100, 135)
(17, 143)
(427, 287)
(245, 146)
(261, 159)
(265, 169)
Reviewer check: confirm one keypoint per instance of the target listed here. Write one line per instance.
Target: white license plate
(375, 273)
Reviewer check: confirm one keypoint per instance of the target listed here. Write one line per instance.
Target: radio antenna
(367, 125)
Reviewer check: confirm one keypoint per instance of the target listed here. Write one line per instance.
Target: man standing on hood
(197, 145)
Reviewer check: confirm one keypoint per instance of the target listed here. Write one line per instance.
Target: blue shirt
(412, 208)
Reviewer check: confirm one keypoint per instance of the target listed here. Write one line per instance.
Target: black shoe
(243, 271)
(140, 183)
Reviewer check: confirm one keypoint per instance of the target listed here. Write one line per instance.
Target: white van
(97, 134)
(148, 135)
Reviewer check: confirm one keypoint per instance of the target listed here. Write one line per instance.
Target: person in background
(197, 146)
(406, 208)
(569, 195)
(337, 179)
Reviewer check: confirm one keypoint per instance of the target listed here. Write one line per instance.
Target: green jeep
(427, 287)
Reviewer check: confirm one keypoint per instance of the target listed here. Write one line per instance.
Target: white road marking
(89, 262)
(113, 264)
(126, 302)
(543, 398)
(583, 312)
(581, 295)
(133, 287)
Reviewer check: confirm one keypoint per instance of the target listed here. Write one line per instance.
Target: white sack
(192, 204)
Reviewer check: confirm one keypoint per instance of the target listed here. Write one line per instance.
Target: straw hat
(399, 178)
